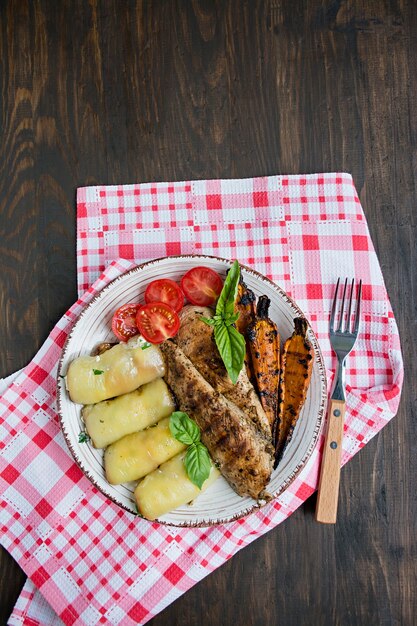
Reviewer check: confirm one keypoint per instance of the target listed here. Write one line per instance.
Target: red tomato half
(165, 290)
(201, 285)
(123, 323)
(157, 321)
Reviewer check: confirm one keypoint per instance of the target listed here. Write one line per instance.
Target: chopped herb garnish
(83, 437)
(98, 372)
(146, 345)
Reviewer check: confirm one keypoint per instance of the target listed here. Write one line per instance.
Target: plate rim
(318, 421)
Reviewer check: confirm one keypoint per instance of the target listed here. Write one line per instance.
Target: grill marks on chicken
(196, 340)
(243, 454)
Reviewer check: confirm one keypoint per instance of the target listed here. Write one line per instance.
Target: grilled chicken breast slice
(196, 340)
(242, 453)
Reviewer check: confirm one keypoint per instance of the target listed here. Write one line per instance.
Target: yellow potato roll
(110, 420)
(168, 487)
(123, 368)
(136, 455)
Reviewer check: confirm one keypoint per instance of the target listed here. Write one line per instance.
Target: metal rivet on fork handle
(336, 413)
(333, 445)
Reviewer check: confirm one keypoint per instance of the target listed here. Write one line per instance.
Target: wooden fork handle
(328, 493)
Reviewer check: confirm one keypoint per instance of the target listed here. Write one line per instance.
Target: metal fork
(342, 340)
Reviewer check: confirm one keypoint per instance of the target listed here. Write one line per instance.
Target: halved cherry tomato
(165, 290)
(123, 323)
(157, 321)
(201, 285)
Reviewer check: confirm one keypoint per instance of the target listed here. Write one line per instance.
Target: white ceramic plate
(219, 504)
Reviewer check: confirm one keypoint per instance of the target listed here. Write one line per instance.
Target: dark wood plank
(109, 92)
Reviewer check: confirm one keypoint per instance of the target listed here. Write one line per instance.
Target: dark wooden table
(118, 91)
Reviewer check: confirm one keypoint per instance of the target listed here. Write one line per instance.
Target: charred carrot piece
(264, 342)
(245, 305)
(296, 369)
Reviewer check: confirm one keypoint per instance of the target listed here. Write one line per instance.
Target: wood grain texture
(109, 92)
(328, 487)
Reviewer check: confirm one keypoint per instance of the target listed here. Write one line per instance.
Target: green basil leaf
(183, 428)
(197, 464)
(221, 337)
(232, 319)
(226, 303)
(208, 320)
(231, 346)
(230, 343)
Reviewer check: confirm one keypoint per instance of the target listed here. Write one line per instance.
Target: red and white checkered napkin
(93, 562)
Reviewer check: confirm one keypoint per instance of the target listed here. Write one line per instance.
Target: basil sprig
(197, 461)
(230, 343)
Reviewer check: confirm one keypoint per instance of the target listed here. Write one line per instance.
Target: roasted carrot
(245, 305)
(296, 368)
(264, 342)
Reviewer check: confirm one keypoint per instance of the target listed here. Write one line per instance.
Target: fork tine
(358, 309)
(342, 309)
(347, 328)
(332, 316)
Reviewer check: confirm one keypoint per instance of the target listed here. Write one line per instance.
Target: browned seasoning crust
(241, 452)
(196, 340)
(296, 370)
(101, 348)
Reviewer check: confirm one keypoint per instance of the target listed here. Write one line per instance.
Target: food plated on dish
(193, 375)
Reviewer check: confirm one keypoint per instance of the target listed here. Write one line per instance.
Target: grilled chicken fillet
(243, 454)
(196, 340)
